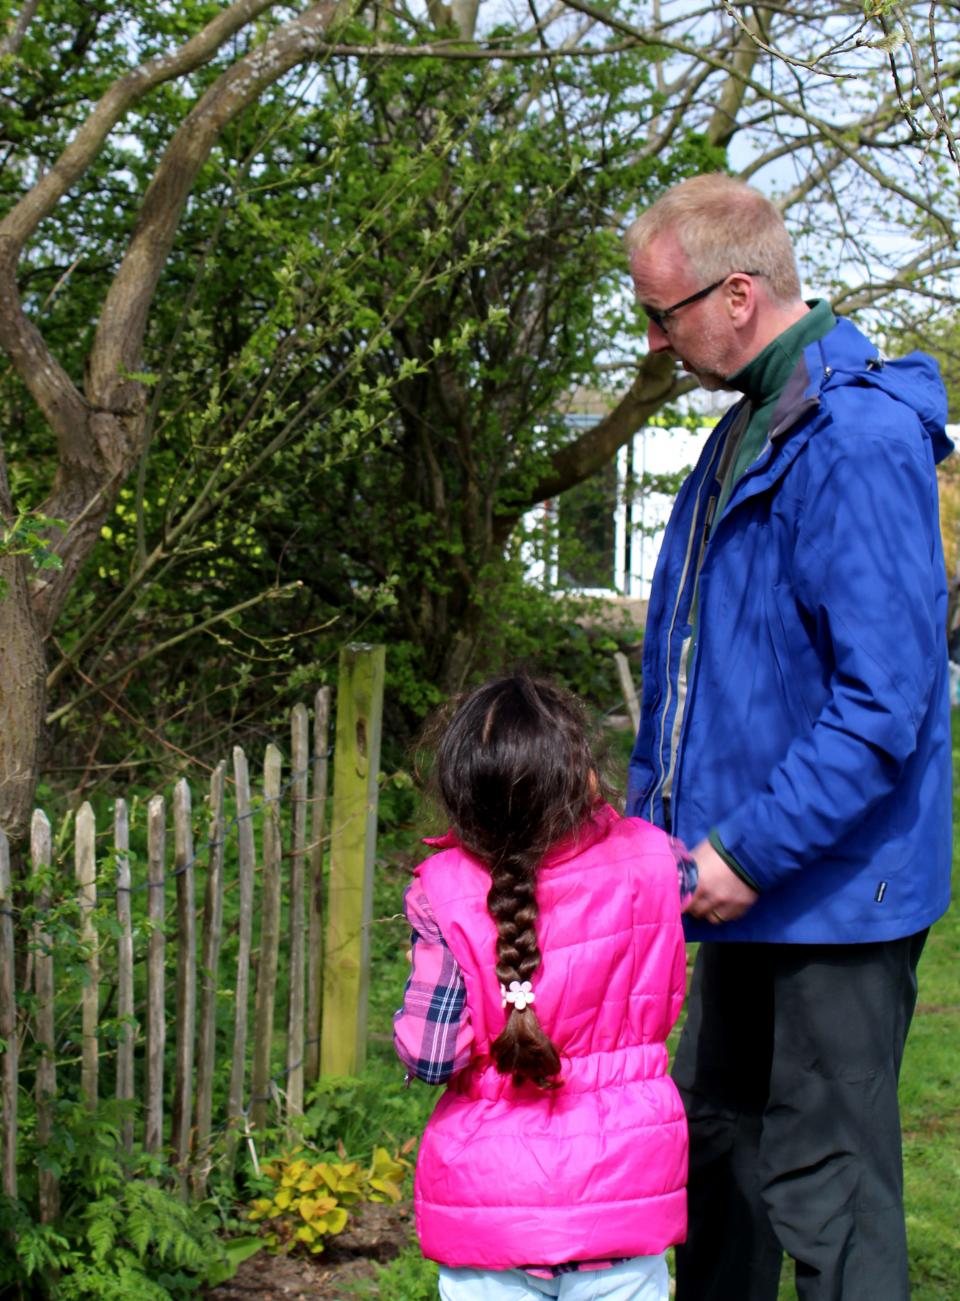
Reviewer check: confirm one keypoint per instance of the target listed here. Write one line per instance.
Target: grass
(930, 1100)
(931, 1117)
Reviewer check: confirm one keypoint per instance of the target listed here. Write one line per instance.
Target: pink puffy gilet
(596, 1169)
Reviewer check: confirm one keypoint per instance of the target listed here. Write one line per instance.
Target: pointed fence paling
(127, 1033)
(8, 1027)
(246, 865)
(315, 911)
(156, 979)
(86, 869)
(300, 758)
(280, 927)
(209, 968)
(269, 941)
(41, 856)
(186, 974)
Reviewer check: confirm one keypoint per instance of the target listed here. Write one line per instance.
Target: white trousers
(643, 1278)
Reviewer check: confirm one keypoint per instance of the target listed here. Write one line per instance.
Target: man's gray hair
(722, 226)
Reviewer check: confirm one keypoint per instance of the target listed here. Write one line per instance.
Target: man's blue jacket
(815, 740)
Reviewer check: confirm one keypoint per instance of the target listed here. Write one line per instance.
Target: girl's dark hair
(515, 774)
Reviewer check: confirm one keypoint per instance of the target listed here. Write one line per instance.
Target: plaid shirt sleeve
(687, 874)
(431, 1031)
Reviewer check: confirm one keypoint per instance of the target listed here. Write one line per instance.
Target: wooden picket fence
(324, 948)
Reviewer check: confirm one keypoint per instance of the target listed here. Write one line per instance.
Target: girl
(548, 968)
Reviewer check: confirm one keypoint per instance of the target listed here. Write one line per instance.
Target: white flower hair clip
(518, 994)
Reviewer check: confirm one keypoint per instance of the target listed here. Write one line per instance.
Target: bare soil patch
(375, 1234)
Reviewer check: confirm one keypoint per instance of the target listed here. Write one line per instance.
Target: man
(795, 731)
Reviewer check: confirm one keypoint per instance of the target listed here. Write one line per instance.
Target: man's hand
(721, 895)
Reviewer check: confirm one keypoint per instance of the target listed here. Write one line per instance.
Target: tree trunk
(22, 693)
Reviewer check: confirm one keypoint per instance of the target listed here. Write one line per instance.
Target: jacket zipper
(782, 428)
(665, 771)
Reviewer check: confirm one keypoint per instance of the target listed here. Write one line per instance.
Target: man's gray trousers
(788, 1066)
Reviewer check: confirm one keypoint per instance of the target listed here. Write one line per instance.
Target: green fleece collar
(764, 377)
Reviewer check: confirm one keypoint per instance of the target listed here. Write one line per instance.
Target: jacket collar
(843, 357)
(765, 376)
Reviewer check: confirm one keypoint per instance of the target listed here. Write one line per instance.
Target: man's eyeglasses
(660, 316)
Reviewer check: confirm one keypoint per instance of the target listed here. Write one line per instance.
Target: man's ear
(740, 297)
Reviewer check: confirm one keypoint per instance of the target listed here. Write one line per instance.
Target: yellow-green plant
(312, 1197)
(385, 1176)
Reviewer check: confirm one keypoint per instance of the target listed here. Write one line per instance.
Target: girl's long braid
(516, 775)
(521, 1049)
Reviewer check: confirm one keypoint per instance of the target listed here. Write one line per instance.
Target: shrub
(312, 1197)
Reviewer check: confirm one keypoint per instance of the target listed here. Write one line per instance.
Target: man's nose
(657, 338)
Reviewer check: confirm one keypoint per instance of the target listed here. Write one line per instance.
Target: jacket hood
(845, 356)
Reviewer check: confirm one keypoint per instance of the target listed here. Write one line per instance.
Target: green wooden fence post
(353, 836)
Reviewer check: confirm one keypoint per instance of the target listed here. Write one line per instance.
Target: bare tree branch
(936, 106)
(100, 436)
(723, 123)
(123, 94)
(827, 130)
(51, 387)
(17, 29)
(123, 319)
(465, 17)
(910, 277)
(816, 62)
(454, 50)
(658, 382)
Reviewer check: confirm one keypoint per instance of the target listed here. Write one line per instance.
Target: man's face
(699, 334)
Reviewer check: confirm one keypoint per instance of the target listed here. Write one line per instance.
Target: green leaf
(236, 1250)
